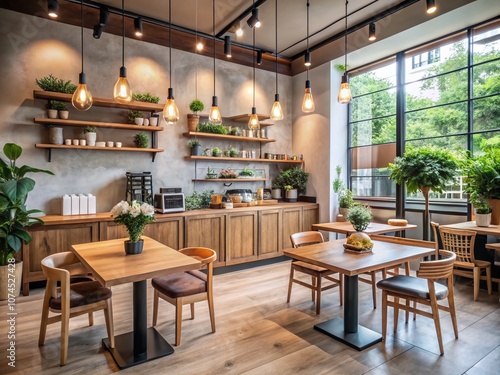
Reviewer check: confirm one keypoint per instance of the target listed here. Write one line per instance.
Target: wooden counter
(238, 235)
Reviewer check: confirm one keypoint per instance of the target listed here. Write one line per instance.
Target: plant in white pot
(90, 135)
(482, 210)
(14, 216)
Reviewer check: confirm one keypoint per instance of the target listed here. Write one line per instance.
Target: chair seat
(181, 284)
(308, 267)
(412, 286)
(83, 293)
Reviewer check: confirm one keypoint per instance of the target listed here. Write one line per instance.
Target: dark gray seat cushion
(83, 293)
(181, 284)
(411, 286)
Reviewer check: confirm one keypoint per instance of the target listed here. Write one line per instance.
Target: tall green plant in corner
(14, 190)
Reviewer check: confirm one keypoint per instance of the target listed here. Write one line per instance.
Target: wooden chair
(317, 273)
(76, 297)
(422, 289)
(187, 288)
(461, 242)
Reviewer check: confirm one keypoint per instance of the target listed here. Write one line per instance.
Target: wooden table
(345, 227)
(492, 230)
(111, 266)
(331, 255)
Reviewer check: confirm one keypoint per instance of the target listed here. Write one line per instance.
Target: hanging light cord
(81, 23)
(123, 33)
(253, 54)
(213, 30)
(170, 39)
(276, 39)
(345, 40)
(307, 40)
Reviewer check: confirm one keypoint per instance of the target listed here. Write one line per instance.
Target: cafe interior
(257, 160)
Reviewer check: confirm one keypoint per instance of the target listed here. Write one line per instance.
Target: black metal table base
(359, 340)
(123, 352)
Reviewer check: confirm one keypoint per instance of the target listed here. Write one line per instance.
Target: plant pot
(193, 121)
(291, 195)
(196, 150)
(495, 215)
(139, 121)
(10, 280)
(153, 120)
(90, 138)
(276, 193)
(343, 211)
(63, 115)
(52, 113)
(56, 136)
(483, 220)
(133, 248)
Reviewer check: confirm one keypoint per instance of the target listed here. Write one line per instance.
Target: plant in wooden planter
(193, 118)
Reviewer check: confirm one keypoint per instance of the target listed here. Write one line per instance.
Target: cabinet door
(292, 223)
(270, 237)
(207, 231)
(241, 237)
(311, 216)
(47, 240)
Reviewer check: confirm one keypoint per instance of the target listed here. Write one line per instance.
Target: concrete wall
(33, 47)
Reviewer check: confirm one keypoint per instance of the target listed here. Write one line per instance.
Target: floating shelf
(97, 124)
(227, 137)
(229, 179)
(248, 160)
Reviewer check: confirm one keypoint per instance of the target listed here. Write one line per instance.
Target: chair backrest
(306, 238)
(205, 255)
(460, 241)
(438, 269)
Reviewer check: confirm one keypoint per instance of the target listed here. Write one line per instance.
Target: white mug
(146, 122)
(67, 142)
(76, 142)
(110, 143)
(83, 142)
(118, 144)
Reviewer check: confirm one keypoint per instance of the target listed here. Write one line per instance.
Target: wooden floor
(258, 333)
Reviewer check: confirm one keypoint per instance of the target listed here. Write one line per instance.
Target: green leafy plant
(338, 183)
(211, 174)
(196, 106)
(295, 177)
(14, 190)
(480, 204)
(132, 115)
(211, 128)
(233, 152)
(51, 83)
(89, 129)
(135, 216)
(197, 201)
(245, 172)
(482, 174)
(141, 140)
(288, 187)
(216, 152)
(345, 199)
(146, 97)
(57, 105)
(234, 130)
(359, 216)
(193, 142)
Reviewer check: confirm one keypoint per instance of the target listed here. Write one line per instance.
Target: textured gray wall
(33, 47)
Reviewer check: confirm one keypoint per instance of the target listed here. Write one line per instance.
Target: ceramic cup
(76, 142)
(83, 142)
(146, 122)
(67, 142)
(139, 121)
(118, 144)
(110, 143)
(153, 121)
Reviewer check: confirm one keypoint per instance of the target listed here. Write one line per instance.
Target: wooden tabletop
(492, 230)
(345, 227)
(111, 266)
(331, 255)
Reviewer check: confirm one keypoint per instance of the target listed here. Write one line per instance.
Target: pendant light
(308, 101)
(82, 98)
(170, 111)
(199, 43)
(214, 116)
(122, 91)
(345, 96)
(53, 8)
(276, 111)
(431, 6)
(253, 122)
(138, 26)
(372, 35)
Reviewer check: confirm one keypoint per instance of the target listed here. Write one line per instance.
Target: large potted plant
(293, 180)
(345, 203)
(425, 169)
(14, 217)
(482, 178)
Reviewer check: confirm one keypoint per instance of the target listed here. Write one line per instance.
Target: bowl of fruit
(358, 242)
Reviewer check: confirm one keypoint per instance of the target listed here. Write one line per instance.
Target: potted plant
(216, 151)
(195, 147)
(246, 173)
(482, 178)
(296, 178)
(14, 216)
(345, 203)
(51, 110)
(425, 168)
(233, 152)
(483, 210)
(90, 135)
(51, 83)
(338, 186)
(141, 140)
(359, 216)
(146, 97)
(211, 174)
(135, 216)
(228, 173)
(61, 108)
(135, 117)
(55, 135)
(276, 190)
(291, 193)
(193, 118)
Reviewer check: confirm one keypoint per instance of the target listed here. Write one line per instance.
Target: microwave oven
(169, 202)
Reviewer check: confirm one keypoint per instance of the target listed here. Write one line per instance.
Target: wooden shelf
(248, 160)
(246, 116)
(229, 179)
(100, 102)
(97, 124)
(227, 137)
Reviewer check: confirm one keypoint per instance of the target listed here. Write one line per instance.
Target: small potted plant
(195, 147)
(90, 135)
(294, 177)
(233, 152)
(276, 190)
(345, 202)
(135, 117)
(51, 109)
(246, 173)
(217, 152)
(482, 210)
(141, 140)
(146, 97)
(61, 109)
(360, 217)
(211, 174)
(193, 118)
(55, 135)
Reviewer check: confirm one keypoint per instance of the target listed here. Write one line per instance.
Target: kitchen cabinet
(241, 237)
(292, 223)
(270, 225)
(207, 230)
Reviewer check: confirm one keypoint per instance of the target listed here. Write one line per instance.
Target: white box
(75, 204)
(92, 203)
(66, 204)
(84, 204)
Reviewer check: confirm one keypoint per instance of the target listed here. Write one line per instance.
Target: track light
(227, 46)
(103, 21)
(253, 21)
(307, 59)
(138, 26)
(238, 29)
(371, 32)
(431, 6)
(259, 57)
(53, 8)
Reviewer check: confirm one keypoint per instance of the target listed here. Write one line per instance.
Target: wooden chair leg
(108, 316)
(488, 279)
(341, 288)
(178, 321)
(44, 320)
(91, 319)
(318, 294)
(210, 299)
(156, 297)
(437, 323)
(192, 310)
(396, 313)
(64, 335)
(451, 304)
(476, 274)
(314, 283)
(290, 282)
(374, 289)
(384, 314)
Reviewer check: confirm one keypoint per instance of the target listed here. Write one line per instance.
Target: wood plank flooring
(259, 333)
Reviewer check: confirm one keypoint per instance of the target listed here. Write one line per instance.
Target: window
(426, 58)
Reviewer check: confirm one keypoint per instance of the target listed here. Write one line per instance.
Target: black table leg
(347, 330)
(142, 344)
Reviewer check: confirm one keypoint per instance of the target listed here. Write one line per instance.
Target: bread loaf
(397, 222)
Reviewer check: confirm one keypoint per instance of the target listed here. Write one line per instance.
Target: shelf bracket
(49, 151)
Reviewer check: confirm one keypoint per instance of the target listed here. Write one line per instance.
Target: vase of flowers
(135, 216)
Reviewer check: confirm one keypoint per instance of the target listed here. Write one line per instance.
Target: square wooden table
(331, 255)
(345, 227)
(111, 266)
(492, 230)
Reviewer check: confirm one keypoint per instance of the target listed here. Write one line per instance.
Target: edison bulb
(344, 96)
(170, 111)
(253, 122)
(82, 98)
(122, 91)
(214, 115)
(308, 101)
(276, 111)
